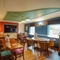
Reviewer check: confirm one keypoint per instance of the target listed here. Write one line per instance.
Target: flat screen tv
(10, 28)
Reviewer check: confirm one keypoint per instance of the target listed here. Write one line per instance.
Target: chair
(22, 39)
(51, 44)
(32, 43)
(44, 47)
(19, 52)
(6, 54)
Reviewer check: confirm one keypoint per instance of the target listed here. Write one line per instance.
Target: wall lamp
(40, 24)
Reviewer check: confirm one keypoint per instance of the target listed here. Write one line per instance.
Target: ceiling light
(22, 22)
(27, 20)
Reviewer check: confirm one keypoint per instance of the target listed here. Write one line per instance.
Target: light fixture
(40, 24)
(27, 20)
(22, 22)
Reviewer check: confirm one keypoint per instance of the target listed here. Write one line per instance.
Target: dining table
(42, 39)
(38, 39)
(13, 45)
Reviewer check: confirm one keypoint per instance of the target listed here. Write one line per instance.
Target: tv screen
(10, 28)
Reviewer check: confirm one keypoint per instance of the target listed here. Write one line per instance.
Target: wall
(21, 27)
(38, 29)
(1, 27)
(14, 35)
(43, 29)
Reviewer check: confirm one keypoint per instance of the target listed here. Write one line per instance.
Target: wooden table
(38, 39)
(14, 45)
(42, 43)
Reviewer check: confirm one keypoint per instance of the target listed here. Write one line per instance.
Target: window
(32, 30)
(54, 30)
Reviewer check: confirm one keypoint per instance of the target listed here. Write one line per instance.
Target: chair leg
(23, 57)
(48, 53)
(15, 58)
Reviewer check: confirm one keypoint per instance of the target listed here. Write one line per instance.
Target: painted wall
(43, 29)
(21, 27)
(38, 29)
(1, 27)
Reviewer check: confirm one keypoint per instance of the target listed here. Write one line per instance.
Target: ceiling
(18, 10)
(21, 16)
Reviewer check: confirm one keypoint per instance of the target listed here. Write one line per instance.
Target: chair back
(3, 42)
(43, 45)
(30, 43)
(51, 43)
(22, 38)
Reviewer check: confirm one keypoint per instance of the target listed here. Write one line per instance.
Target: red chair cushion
(18, 51)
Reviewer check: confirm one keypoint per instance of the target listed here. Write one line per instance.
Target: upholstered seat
(18, 51)
(5, 53)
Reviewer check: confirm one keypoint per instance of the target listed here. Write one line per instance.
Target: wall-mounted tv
(10, 28)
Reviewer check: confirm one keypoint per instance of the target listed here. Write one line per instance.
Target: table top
(14, 44)
(39, 39)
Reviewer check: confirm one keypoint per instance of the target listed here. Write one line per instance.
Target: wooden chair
(44, 47)
(51, 44)
(6, 54)
(19, 52)
(22, 39)
(32, 43)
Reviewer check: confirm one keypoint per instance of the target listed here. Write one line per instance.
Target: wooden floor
(30, 55)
